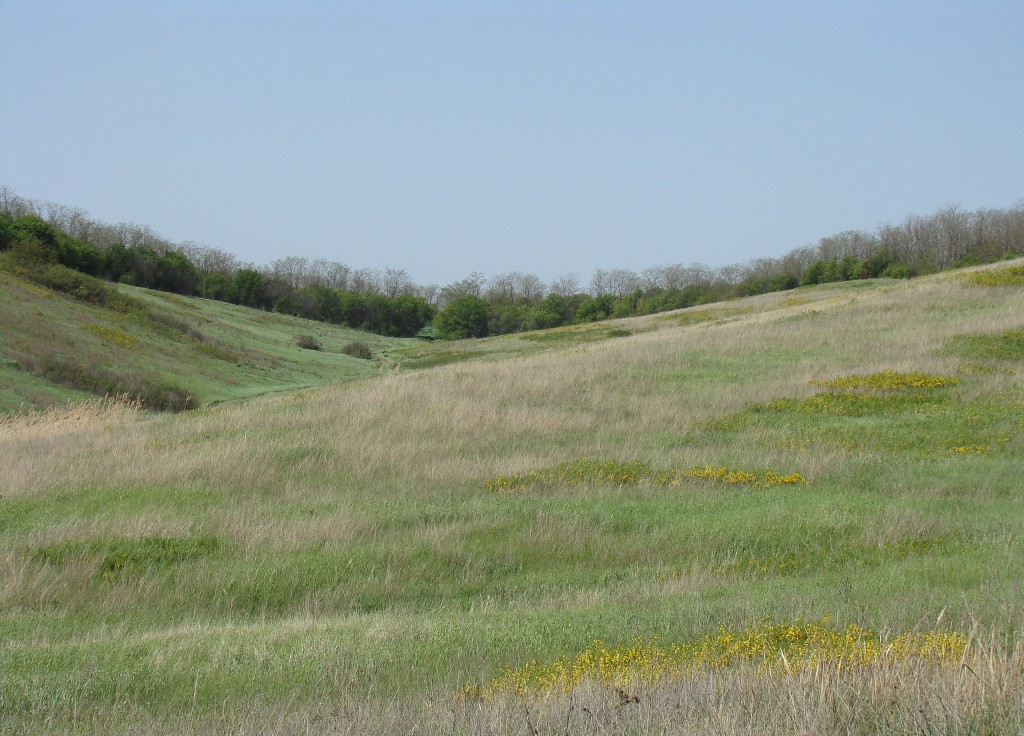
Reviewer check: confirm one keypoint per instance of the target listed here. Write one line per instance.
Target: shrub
(358, 349)
(308, 342)
(465, 317)
(149, 390)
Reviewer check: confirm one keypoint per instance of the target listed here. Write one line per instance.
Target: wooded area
(39, 236)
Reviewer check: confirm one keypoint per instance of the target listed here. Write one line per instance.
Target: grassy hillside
(54, 347)
(797, 513)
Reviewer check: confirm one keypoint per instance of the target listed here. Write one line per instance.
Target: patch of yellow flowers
(616, 473)
(889, 381)
(777, 648)
(112, 335)
(1010, 276)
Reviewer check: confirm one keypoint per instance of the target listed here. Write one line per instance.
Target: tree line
(388, 302)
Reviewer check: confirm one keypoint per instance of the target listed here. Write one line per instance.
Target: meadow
(172, 351)
(797, 513)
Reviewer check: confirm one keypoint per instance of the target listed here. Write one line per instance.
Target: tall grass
(356, 572)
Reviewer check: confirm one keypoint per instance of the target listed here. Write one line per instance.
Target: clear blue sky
(549, 137)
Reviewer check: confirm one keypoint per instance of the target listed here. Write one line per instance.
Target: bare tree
(505, 288)
(429, 293)
(8, 200)
(291, 270)
(533, 289)
(952, 225)
(472, 285)
(565, 285)
(210, 260)
(729, 275)
(366, 281)
(16, 206)
(316, 272)
(621, 281)
(338, 276)
(652, 277)
(396, 282)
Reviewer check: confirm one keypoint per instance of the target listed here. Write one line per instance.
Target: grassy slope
(338, 549)
(233, 353)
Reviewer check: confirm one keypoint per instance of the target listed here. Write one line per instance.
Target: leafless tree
(652, 277)
(429, 293)
(565, 285)
(338, 276)
(211, 260)
(396, 282)
(291, 270)
(472, 285)
(505, 288)
(366, 281)
(621, 281)
(533, 289)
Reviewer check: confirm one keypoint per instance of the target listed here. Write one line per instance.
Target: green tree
(249, 289)
(410, 314)
(595, 309)
(7, 235)
(464, 317)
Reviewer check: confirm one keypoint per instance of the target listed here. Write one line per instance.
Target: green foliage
(849, 267)
(358, 349)
(249, 288)
(7, 234)
(506, 318)
(1007, 345)
(118, 557)
(408, 315)
(308, 342)
(36, 265)
(595, 309)
(899, 271)
(30, 253)
(463, 318)
(542, 317)
(763, 284)
(149, 389)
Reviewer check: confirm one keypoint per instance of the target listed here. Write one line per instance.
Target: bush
(149, 390)
(31, 252)
(308, 342)
(358, 349)
(465, 317)
(901, 271)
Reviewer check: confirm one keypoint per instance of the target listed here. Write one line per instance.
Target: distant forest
(57, 245)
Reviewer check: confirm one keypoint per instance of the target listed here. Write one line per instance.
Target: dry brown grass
(983, 696)
(319, 470)
(457, 423)
(85, 416)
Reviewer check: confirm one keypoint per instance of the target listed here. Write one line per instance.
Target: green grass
(337, 551)
(1005, 346)
(171, 350)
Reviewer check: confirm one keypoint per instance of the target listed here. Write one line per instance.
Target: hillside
(54, 348)
(794, 513)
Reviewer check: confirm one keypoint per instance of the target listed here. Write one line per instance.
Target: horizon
(542, 138)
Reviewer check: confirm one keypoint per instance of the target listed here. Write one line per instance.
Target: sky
(549, 137)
